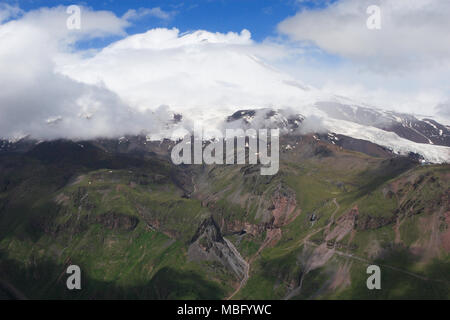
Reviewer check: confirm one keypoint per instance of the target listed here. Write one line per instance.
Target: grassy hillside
(135, 224)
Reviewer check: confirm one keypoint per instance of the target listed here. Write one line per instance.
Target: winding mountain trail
(334, 213)
(328, 226)
(333, 251)
(266, 242)
(246, 269)
(296, 291)
(366, 261)
(194, 185)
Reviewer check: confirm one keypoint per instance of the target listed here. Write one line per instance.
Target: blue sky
(260, 17)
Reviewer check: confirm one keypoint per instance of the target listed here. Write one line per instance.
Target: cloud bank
(413, 34)
(404, 66)
(157, 12)
(53, 89)
(50, 89)
(37, 100)
(200, 71)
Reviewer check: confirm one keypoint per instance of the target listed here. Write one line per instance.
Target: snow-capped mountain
(175, 80)
(404, 125)
(397, 133)
(284, 120)
(400, 133)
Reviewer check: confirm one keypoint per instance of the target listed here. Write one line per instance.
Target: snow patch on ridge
(431, 153)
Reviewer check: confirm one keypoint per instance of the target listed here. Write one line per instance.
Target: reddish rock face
(284, 204)
(344, 225)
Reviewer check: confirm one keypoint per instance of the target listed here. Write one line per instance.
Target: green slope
(308, 232)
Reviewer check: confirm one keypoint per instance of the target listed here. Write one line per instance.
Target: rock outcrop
(208, 244)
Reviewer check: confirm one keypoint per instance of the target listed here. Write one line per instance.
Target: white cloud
(404, 66)
(414, 34)
(50, 90)
(443, 110)
(7, 12)
(211, 73)
(51, 23)
(36, 100)
(156, 12)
